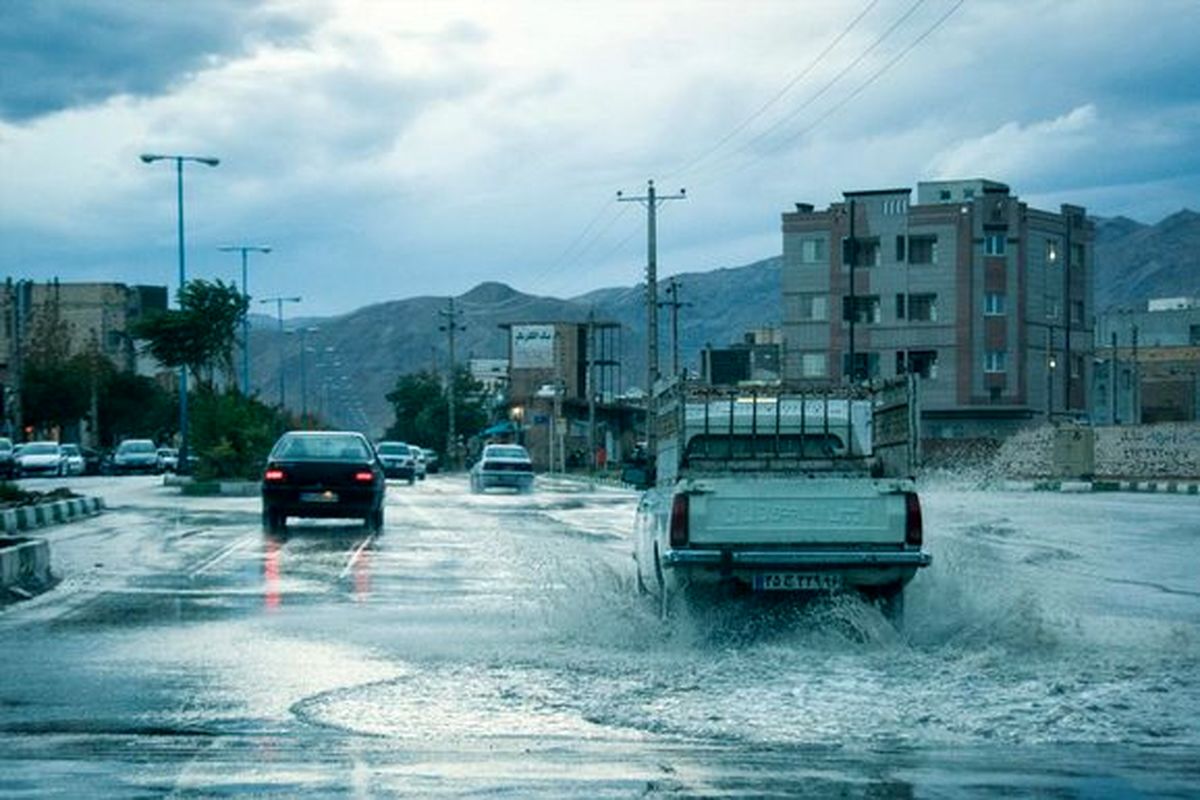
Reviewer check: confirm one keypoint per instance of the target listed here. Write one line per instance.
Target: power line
(787, 87)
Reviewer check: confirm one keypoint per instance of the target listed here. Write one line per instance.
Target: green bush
(232, 434)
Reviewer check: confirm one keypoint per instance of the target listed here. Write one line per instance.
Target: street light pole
(279, 301)
(244, 249)
(208, 161)
(303, 333)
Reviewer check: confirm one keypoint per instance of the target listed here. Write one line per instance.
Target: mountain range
(352, 361)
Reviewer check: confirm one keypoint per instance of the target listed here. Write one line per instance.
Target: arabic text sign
(532, 346)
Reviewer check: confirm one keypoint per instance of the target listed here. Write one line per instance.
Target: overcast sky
(394, 149)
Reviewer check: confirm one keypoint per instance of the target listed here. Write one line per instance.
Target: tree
(422, 408)
(131, 405)
(200, 335)
(52, 380)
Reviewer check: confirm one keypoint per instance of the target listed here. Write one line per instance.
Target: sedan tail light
(273, 475)
(913, 528)
(679, 521)
(364, 476)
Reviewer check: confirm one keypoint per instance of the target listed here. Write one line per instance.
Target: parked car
(39, 458)
(503, 465)
(72, 457)
(397, 460)
(321, 474)
(135, 455)
(168, 459)
(418, 461)
(432, 464)
(8, 463)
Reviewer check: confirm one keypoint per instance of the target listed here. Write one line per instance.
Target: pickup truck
(769, 490)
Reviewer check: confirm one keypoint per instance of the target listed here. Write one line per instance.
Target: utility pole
(651, 200)
(1135, 415)
(673, 285)
(451, 327)
(1113, 370)
(1068, 312)
(279, 301)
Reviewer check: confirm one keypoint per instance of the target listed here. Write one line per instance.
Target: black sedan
(328, 474)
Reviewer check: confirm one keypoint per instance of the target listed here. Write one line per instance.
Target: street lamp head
(149, 158)
(208, 161)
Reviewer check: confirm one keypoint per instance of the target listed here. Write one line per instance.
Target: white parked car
(72, 458)
(168, 459)
(39, 458)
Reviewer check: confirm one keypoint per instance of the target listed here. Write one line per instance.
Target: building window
(994, 244)
(814, 365)
(995, 361)
(862, 310)
(866, 366)
(899, 306)
(868, 252)
(1194, 334)
(1076, 256)
(922, 307)
(923, 363)
(993, 304)
(1076, 312)
(922, 249)
(1053, 307)
(812, 307)
(895, 207)
(900, 240)
(944, 194)
(994, 393)
(814, 251)
(968, 194)
(1076, 366)
(1052, 252)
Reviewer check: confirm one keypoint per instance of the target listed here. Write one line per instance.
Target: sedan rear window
(506, 452)
(321, 448)
(393, 449)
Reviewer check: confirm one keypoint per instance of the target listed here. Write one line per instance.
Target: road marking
(222, 555)
(355, 555)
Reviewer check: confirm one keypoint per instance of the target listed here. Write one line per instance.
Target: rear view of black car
(322, 474)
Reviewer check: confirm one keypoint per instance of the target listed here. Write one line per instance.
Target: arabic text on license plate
(319, 497)
(797, 581)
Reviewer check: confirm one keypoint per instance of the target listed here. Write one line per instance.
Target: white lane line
(355, 555)
(223, 554)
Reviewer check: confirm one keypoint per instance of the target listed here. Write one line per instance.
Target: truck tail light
(913, 529)
(364, 476)
(273, 475)
(679, 521)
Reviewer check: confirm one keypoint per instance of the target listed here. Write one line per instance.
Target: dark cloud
(59, 54)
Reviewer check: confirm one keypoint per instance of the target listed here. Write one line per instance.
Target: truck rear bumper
(807, 559)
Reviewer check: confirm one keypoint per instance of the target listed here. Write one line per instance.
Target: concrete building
(758, 358)
(987, 299)
(95, 317)
(1147, 364)
(561, 376)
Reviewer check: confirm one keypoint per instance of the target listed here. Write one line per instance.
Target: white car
(39, 458)
(418, 461)
(72, 458)
(503, 465)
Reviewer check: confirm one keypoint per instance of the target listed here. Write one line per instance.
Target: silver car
(503, 465)
(39, 458)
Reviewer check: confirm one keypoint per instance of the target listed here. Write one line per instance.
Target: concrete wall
(1168, 450)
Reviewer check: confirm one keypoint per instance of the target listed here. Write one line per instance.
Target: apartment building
(989, 301)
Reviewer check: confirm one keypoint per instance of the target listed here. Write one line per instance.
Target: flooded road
(493, 645)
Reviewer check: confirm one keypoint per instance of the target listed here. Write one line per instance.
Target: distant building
(96, 317)
(491, 372)
(554, 368)
(759, 358)
(986, 299)
(1147, 365)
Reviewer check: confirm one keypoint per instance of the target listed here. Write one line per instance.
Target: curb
(26, 518)
(1075, 487)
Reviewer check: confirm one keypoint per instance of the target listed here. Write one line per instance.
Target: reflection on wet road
(494, 644)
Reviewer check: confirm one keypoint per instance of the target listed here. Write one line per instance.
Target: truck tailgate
(819, 511)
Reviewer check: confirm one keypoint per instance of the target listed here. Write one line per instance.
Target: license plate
(318, 497)
(797, 581)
